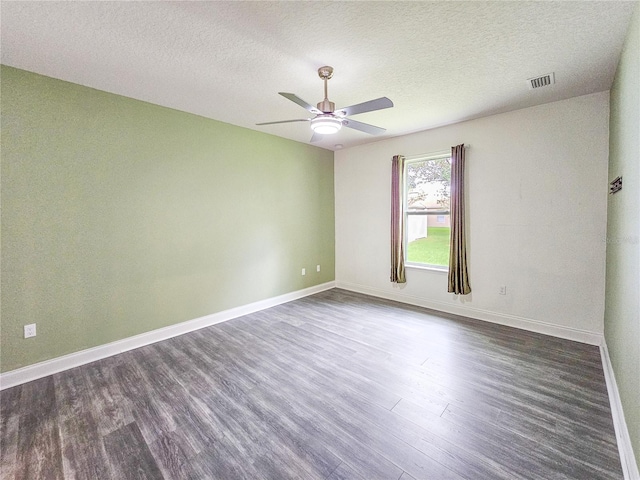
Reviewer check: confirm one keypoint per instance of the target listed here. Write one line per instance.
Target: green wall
(622, 300)
(120, 217)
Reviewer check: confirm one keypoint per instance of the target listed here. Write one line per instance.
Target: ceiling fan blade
(316, 137)
(363, 127)
(295, 99)
(285, 121)
(370, 106)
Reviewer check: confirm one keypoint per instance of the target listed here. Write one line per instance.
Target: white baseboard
(627, 458)
(55, 365)
(578, 335)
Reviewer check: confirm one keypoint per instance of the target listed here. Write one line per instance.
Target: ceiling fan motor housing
(326, 106)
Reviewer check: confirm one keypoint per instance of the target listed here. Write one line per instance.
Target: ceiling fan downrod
(325, 106)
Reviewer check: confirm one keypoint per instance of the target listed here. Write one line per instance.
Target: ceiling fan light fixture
(326, 124)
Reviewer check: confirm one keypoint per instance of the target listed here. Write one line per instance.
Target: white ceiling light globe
(326, 124)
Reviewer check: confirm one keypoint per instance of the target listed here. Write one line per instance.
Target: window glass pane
(427, 199)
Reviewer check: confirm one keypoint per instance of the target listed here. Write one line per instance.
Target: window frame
(405, 211)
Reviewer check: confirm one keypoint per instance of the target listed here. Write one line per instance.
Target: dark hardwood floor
(333, 386)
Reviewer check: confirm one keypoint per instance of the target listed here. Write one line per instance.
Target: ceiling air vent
(542, 81)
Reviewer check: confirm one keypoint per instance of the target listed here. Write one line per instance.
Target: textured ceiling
(439, 62)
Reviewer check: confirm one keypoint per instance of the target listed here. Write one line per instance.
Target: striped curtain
(397, 220)
(458, 275)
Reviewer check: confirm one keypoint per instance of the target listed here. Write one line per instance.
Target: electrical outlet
(317, 268)
(503, 290)
(30, 330)
(304, 272)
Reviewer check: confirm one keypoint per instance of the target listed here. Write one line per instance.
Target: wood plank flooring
(333, 386)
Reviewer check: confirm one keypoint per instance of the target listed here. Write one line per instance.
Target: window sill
(433, 268)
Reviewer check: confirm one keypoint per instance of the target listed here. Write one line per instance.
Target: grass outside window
(432, 250)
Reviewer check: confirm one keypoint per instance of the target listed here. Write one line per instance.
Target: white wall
(622, 304)
(537, 206)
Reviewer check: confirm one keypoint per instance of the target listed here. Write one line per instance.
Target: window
(427, 219)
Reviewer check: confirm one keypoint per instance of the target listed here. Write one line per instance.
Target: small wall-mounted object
(615, 186)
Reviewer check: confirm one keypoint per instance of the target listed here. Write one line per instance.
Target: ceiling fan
(327, 119)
